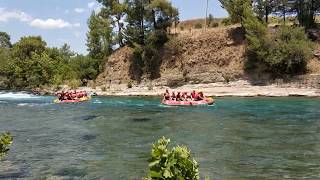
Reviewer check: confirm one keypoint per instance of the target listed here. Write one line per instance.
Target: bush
(226, 22)
(103, 88)
(74, 83)
(285, 52)
(174, 46)
(181, 28)
(129, 85)
(5, 142)
(175, 163)
(214, 24)
(198, 26)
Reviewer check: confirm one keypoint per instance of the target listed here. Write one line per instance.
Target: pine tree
(99, 38)
(114, 11)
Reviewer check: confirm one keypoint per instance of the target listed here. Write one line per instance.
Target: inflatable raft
(207, 101)
(73, 101)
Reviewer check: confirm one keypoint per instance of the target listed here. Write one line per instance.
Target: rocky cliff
(192, 56)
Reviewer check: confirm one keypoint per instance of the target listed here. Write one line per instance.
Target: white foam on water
(17, 95)
(97, 102)
(33, 104)
(24, 104)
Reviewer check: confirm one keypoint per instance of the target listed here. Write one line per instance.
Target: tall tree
(99, 36)
(28, 45)
(263, 8)
(146, 16)
(5, 40)
(114, 10)
(306, 11)
(148, 22)
(161, 14)
(236, 9)
(136, 28)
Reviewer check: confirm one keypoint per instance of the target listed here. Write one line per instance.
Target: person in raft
(166, 95)
(194, 96)
(179, 97)
(173, 96)
(71, 95)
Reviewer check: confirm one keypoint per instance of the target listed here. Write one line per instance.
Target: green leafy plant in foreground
(5, 142)
(171, 164)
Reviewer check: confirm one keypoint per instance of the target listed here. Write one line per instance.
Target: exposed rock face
(116, 68)
(199, 56)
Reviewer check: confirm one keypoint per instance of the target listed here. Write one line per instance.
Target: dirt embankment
(198, 56)
(192, 57)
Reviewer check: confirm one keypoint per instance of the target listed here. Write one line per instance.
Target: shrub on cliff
(175, 163)
(287, 51)
(5, 142)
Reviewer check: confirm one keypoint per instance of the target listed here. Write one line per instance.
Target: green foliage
(129, 85)
(175, 46)
(162, 14)
(5, 142)
(226, 21)
(265, 7)
(30, 64)
(137, 63)
(99, 39)
(306, 10)
(5, 59)
(5, 40)
(74, 83)
(235, 9)
(214, 24)
(28, 45)
(198, 26)
(147, 32)
(285, 52)
(85, 67)
(114, 11)
(171, 164)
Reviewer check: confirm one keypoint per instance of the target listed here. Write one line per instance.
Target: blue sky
(65, 21)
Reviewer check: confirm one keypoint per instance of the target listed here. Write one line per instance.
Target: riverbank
(241, 88)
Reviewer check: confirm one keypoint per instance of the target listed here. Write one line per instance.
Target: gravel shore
(240, 88)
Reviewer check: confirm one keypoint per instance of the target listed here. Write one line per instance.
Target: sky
(65, 21)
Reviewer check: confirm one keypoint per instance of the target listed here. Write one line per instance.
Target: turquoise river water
(111, 137)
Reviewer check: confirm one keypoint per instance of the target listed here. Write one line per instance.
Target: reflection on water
(110, 138)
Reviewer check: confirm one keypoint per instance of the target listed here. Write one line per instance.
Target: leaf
(154, 163)
(154, 174)
(167, 174)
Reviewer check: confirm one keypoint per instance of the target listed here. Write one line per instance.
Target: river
(111, 137)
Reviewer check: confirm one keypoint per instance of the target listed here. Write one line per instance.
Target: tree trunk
(142, 24)
(267, 14)
(153, 17)
(119, 33)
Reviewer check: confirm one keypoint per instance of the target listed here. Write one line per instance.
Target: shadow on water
(88, 137)
(72, 172)
(14, 175)
(141, 119)
(86, 118)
